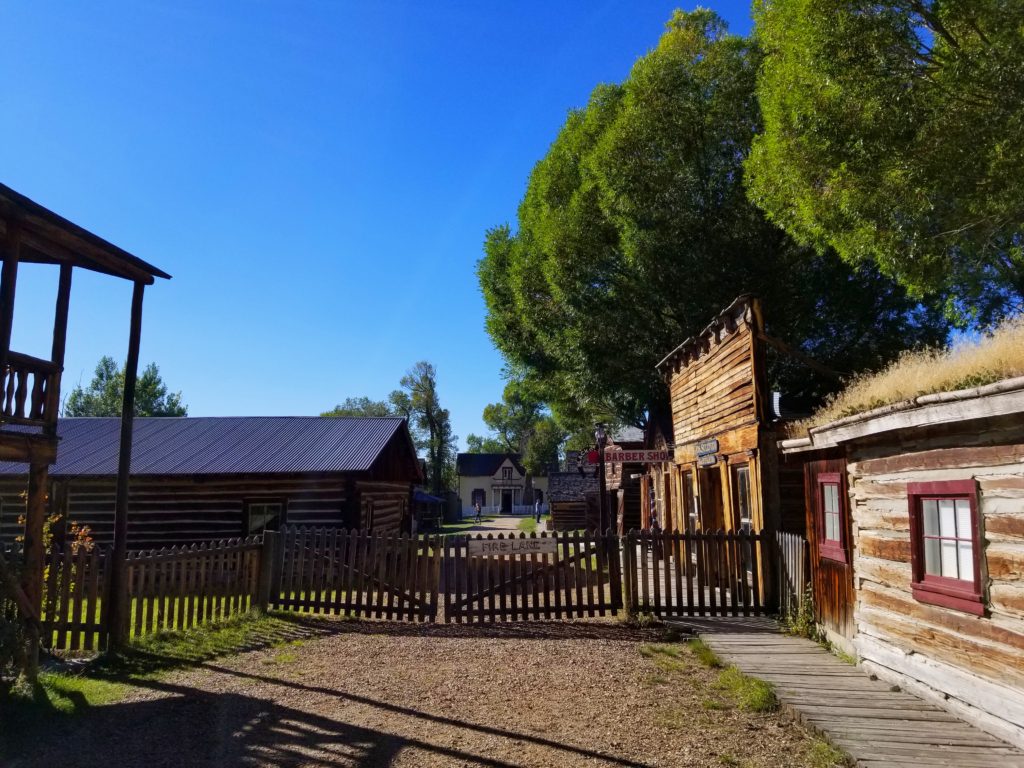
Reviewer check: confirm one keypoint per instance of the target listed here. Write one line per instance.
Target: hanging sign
(707, 460)
(632, 457)
(705, 447)
(497, 547)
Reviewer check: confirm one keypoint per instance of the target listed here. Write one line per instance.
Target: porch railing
(29, 391)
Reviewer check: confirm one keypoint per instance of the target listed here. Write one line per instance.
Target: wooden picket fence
(576, 575)
(792, 575)
(357, 573)
(711, 573)
(176, 588)
(75, 598)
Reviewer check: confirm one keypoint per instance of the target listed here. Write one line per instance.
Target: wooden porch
(30, 386)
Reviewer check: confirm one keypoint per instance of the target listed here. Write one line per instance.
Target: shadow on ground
(189, 726)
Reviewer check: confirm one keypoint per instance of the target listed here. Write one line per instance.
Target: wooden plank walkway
(875, 725)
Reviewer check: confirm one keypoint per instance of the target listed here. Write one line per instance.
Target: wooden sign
(634, 457)
(705, 447)
(496, 547)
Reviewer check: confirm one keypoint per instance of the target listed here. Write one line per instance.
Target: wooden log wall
(978, 662)
(173, 511)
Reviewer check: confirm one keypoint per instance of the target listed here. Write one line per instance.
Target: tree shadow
(193, 727)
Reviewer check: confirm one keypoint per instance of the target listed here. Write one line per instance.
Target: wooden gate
(518, 578)
(695, 574)
(357, 573)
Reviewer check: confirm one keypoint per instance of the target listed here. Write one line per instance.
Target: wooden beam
(806, 359)
(60, 335)
(119, 604)
(8, 283)
(35, 556)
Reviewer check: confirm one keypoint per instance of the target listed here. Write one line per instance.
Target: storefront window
(689, 503)
(741, 499)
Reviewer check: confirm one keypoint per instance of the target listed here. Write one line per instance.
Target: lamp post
(601, 437)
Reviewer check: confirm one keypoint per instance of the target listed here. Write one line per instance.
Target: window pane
(932, 564)
(949, 559)
(947, 518)
(931, 518)
(963, 519)
(831, 497)
(831, 527)
(966, 561)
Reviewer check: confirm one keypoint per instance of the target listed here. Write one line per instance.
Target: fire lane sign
(498, 547)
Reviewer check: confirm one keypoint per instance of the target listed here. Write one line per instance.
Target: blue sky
(316, 176)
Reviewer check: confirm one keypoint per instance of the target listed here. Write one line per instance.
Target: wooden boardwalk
(875, 725)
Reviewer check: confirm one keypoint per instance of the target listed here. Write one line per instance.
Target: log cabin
(203, 478)
(915, 520)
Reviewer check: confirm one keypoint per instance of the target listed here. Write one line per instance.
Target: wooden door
(506, 502)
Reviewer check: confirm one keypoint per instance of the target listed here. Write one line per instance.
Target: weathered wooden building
(725, 473)
(198, 478)
(915, 518)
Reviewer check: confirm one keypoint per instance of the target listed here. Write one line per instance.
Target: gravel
(387, 694)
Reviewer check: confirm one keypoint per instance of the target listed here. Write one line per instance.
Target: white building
(499, 482)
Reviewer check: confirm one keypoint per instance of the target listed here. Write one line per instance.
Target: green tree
(481, 444)
(636, 229)
(418, 401)
(894, 133)
(361, 407)
(104, 394)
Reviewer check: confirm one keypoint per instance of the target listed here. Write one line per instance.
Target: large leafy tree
(520, 424)
(636, 229)
(419, 402)
(105, 392)
(894, 133)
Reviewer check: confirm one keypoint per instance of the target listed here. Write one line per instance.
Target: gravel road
(384, 694)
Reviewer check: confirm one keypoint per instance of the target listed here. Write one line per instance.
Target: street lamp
(601, 437)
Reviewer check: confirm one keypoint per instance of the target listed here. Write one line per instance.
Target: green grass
(749, 693)
(667, 658)
(704, 654)
(528, 525)
(26, 713)
(824, 755)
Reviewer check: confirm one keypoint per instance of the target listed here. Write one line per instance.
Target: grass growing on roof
(968, 363)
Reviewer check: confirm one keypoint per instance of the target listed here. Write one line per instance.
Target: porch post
(35, 555)
(118, 596)
(8, 282)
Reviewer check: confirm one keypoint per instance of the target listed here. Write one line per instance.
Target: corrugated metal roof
(197, 445)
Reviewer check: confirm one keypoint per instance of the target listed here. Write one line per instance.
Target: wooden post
(60, 334)
(8, 282)
(35, 556)
(119, 605)
(268, 557)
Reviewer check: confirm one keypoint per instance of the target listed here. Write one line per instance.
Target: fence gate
(517, 578)
(710, 573)
(357, 573)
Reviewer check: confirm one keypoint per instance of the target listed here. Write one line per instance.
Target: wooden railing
(29, 391)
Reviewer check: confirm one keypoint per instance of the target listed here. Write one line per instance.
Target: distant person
(476, 508)
(536, 509)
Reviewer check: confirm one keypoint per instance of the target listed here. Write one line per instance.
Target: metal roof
(217, 445)
(485, 464)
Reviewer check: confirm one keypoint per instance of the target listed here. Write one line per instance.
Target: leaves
(104, 394)
(894, 133)
(636, 230)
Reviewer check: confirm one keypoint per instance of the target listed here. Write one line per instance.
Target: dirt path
(377, 694)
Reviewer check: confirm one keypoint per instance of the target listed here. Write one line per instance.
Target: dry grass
(968, 363)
